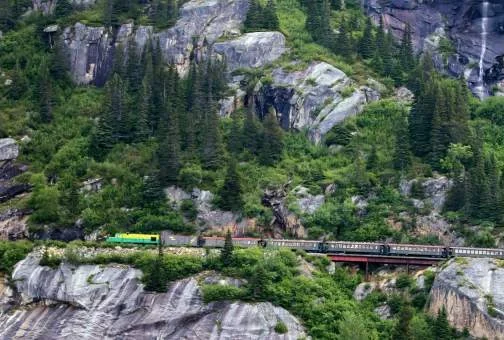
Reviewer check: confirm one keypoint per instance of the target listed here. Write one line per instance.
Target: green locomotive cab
(134, 238)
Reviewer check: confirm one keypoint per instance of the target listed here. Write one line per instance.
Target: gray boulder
(9, 150)
(307, 202)
(470, 289)
(108, 302)
(251, 50)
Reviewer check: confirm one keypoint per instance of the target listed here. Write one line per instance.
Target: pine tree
(271, 141)
(227, 250)
(152, 191)
(133, 70)
(44, 92)
(63, 8)
(259, 282)
(442, 328)
(366, 43)
(270, 18)
(343, 46)
(402, 330)
(380, 39)
(230, 193)
(235, 140)
(116, 104)
(406, 54)
(251, 128)
(253, 19)
(402, 154)
(372, 160)
(103, 139)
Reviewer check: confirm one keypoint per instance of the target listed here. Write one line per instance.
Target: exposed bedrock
(317, 98)
(474, 27)
(471, 291)
(90, 50)
(108, 302)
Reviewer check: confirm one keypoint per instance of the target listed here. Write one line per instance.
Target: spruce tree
(366, 43)
(63, 8)
(253, 19)
(44, 92)
(152, 190)
(259, 282)
(402, 155)
(372, 160)
(406, 54)
(442, 328)
(227, 250)
(343, 46)
(270, 18)
(251, 128)
(230, 193)
(402, 330)
(116, 104)
(235, 140)
(103, 137)
(271, 141)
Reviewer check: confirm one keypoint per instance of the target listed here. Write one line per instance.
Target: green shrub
(217, 292)
(189, 209)
(13, 252)
(281, 327)
(404, 281)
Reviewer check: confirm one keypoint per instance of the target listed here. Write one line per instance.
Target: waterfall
(484, 33)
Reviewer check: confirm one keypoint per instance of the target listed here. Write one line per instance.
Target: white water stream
(484, 34)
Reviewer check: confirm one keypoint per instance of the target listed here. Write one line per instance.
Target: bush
(281, 327)
(217, 292)
(189, 209)
(13, 252)
(404, 281)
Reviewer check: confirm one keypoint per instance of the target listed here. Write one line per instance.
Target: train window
(153, 238)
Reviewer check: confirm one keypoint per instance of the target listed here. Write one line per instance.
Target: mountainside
(358, 120)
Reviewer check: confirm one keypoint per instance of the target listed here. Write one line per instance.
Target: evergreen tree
(381, 39)
(366, 43)
(271, 141)
(442, 328)
(402, 330)
(402, 155)
(152, 190)
(406, 55)
(270, 18)
(103, 139)
(259, 282)
(63, 8)
(44, 92)
(235, 141)
(227, 250)
(169, 148)
(251, 128)
(254, 18)
(116, 104)
(372, 160)
(343, 46)
(230, 193)
(133, 70)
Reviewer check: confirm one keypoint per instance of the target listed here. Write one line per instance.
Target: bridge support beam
(395, 260)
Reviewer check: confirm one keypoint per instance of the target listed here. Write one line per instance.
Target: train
(340, 247)
(313, 246)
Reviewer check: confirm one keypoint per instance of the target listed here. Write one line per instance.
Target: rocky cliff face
(90, 50)
(318, 98)
(471, 291)
(96, 302)
(475, 29)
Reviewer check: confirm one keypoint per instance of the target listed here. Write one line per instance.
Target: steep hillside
(343, 120)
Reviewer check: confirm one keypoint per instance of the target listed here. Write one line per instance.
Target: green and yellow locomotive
(134, 238)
